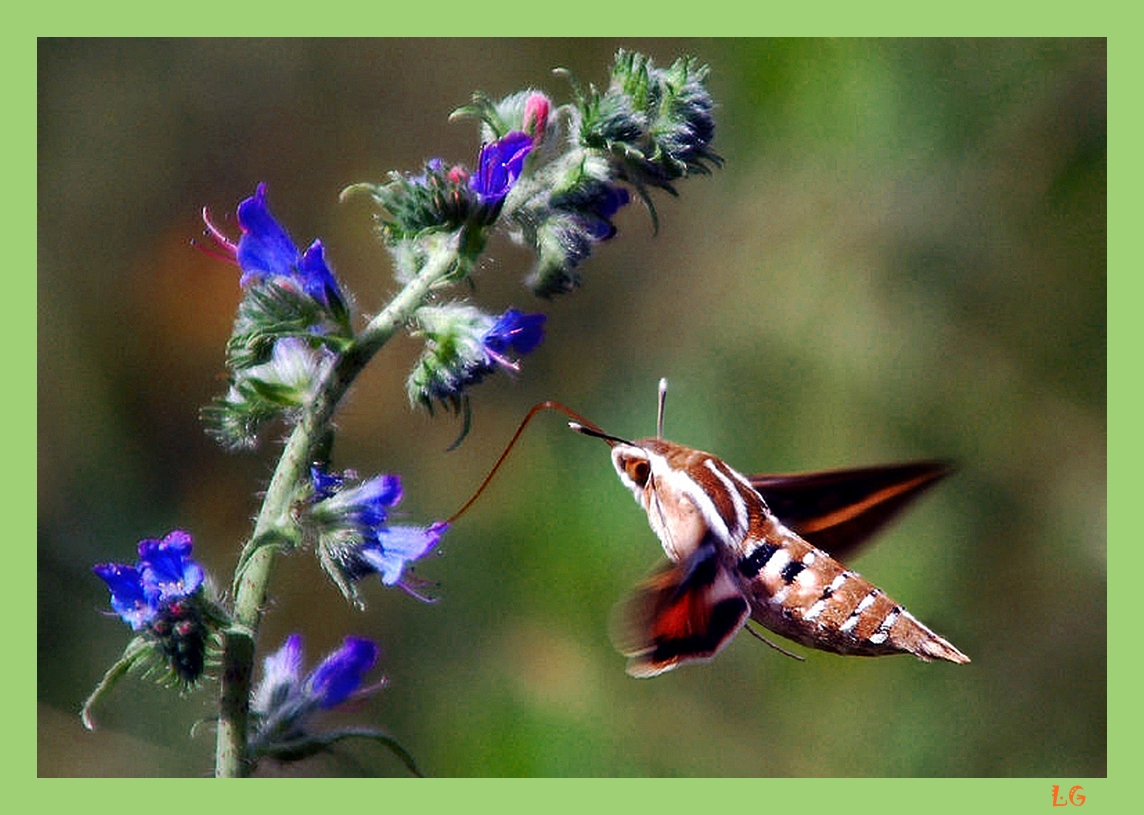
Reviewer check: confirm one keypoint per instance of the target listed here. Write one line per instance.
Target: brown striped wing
(839, 510)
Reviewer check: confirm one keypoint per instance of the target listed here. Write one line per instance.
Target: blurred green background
(903, 257)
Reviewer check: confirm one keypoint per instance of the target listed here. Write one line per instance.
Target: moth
(761, 548)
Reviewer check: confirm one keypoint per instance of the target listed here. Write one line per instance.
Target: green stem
(274, 522)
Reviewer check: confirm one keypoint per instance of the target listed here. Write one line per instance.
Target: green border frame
(450, 17)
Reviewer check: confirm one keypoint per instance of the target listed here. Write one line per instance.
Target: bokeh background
(903, 257)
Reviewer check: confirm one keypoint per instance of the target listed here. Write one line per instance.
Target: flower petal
(396, 546)
(523, 332)
(265, 249)
(340, 673)
(317, 279)
(166, 570)
(499, 166)
(325, 484)
(365, 505)
(281, 673)
(128, 599)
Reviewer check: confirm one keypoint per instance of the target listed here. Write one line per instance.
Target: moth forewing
(840, 510)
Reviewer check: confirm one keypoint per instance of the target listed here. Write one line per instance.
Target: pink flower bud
(536, 109)
(458, 174)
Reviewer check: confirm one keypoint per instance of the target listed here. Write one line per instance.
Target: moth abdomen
(804, 594)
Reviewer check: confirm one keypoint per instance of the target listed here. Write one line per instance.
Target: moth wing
(840, 510)
(686, 612)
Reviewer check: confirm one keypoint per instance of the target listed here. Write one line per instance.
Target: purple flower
(392, 547)
(166, 567)
(127, 596)
(499, 166)
(284, 700)
(520, 332)
(364, 506)
(597, 214)
(266, 252)
(464, 345)
(324, 484)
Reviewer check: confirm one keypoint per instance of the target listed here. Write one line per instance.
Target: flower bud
(535, 122)
(463, 345)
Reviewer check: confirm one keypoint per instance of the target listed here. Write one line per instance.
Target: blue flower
(499, 166)
(266, 252)
(159, 595)
(324, 484)
(521, 332)
(364, 506)
(340, 673)
(166, 568)
(463, 346)
(392, 547)
(284, 700)
(355, 537)
(598, 212)
(128, 599)
(164, 574)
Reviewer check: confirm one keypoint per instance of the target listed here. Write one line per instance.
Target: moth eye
(638, 470)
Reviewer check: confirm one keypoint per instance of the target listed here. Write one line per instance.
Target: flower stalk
(252, 579)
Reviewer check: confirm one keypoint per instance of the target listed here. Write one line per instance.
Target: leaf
(310, 745)
(136, 652)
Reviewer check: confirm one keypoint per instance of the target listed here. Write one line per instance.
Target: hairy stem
(274, 522)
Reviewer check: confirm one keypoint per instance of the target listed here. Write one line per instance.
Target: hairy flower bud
(463, 345)
(535, 119)
(655, 124)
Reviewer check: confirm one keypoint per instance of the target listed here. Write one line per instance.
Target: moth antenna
(778, 648)
(659, 411)
(582, 424)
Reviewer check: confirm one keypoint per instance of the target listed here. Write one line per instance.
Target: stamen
(503, 361)
(405, 587)
(210, 252)
(222, 240)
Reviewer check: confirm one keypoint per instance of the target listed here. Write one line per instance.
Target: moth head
(646, 468)
(634, 463)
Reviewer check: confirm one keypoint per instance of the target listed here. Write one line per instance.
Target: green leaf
(135, 655)
(310, 745)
